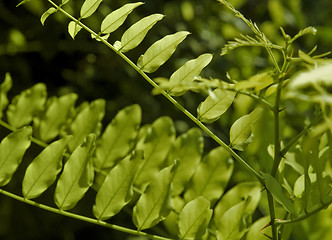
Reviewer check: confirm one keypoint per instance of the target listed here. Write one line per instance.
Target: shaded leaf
(77, 175)
(46, 14)
(26, 105)
(73, 29)
(89, 7)
(256, 231)
(211, 177)
(215, 105)
(42, 172)
(12, 149)
(136, 33)
(194, 219)
(160, 52)
(118, 138)
(116, 18)
(154, 204)
(241, 131)
(158, 141)
(116, 191)
(4, 88)
(187, 73)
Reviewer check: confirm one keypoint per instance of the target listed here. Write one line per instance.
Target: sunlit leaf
(215, 105)
(89, 7)
(158, 141)
(73, 29)
(12, 149)
(43, 170)
(26, 105)
(257, 230)
(118, 137)
(211, 177)
(116, 18)
(136, 33)
(307, 30)
(160, 52)
(87, 121)
(187, 149)
(77, 175)
(48, 125)
(241, 131)
(116, 191)
(46, 14)
(187, 73)
(256, 82)
(154, 204)
(194, 219)
(4, 88)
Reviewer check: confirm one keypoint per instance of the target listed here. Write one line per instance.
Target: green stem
(166, 95)
(82, 218)
(272, 216)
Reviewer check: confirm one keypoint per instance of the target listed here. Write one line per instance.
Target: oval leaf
(12, 149)
(215, 105)
(46, 14)
(241, 131)
(73, 29)
(26, 105)
(42, 172)
(194, 219)
(89, 7)
(116, 191)
(136, 33)
(160, 52)
(77, 176)
(187, 73)
(116, 18)
(153, 205)
(118, 138)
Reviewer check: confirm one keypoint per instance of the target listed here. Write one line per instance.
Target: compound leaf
(118, 137)
(12, 149)
(215, 105)
(77, 175)
(26, 105)
(42, 172)
(4, 88)
(208, 180)
(160, 52)
(154, 203)
(241, 130)
(73, 29)
(187, 73)
(89, 7)
(116, 18)
(116, 191)
(194, 219)
(136, 33)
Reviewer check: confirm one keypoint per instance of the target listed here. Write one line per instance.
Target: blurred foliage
(34, 53)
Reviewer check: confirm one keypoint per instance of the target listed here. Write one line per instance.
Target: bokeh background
(34, 53)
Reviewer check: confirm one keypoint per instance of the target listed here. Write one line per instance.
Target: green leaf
(46, 14)
(187, 73)
(194, 219)
(231, 223)
(12, 149)
(154, 204)
(116, 191)
(116, 18)
(241, 131)
(158, 141)
(73, 29)
(187, 149)
(215, 105)
(276, 190)
(43, 170)
(89, 7)
(208, 180)
(4, 88)
(119, 137)
(136, 33)
(258, 231)
(26, 105)
(160, 52)
(77, 175)
(49, 124)
(87, 121)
